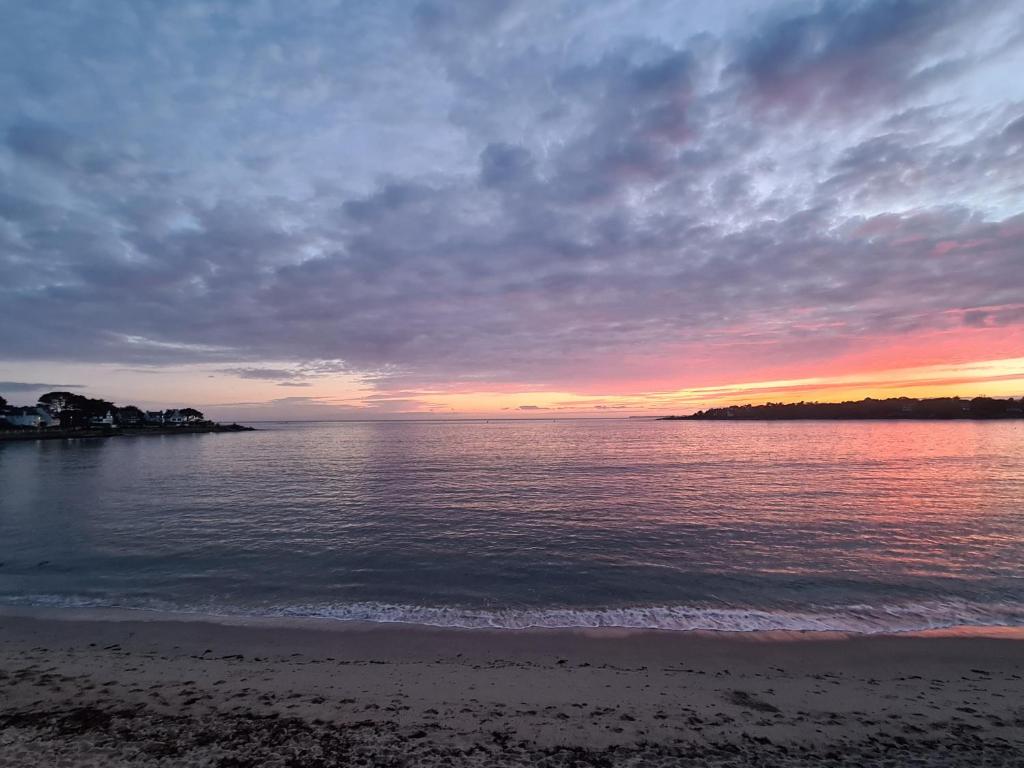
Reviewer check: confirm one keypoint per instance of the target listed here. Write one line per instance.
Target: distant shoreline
(66, 434)
(889, 409)
(698, 417)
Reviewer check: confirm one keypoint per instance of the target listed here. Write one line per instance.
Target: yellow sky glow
(224, 396)
(997, 378)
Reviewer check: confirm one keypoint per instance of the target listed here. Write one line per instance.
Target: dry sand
(75, 691)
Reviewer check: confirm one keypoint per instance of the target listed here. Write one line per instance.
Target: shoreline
(909, 417)
(75, 434)
(93, 614)
(83, 691)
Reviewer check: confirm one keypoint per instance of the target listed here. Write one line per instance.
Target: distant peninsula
(936, 408)
(58, 415)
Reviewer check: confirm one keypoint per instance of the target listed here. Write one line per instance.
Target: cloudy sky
(345, 209)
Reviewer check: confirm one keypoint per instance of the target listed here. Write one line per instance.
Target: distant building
(181, 416)
(30, 416)
(105, 420)
(154, 417)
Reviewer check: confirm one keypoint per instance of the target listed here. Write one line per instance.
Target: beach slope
(84, 692)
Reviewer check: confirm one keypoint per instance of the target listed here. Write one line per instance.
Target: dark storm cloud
(500, 192)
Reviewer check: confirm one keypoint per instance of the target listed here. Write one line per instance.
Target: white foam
(860, 619)
(853, 619)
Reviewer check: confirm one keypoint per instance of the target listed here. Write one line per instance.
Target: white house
(30, 416)
(178, 416)
(103, 421)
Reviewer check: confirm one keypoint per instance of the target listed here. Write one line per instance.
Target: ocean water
(855, 526)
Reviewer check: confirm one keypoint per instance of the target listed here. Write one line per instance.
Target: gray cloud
(509, 193)
(41, 142)
(848, 56)
(33, 386)
(271, 374)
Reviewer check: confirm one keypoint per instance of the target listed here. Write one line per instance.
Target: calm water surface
(863, 526)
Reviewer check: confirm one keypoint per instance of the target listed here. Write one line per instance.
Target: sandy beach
(158, 691)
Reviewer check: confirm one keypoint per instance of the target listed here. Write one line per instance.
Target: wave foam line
(858, 619)
(852, 619)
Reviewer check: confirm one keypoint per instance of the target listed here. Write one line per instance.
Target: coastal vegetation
(67, 414)
(868, 408)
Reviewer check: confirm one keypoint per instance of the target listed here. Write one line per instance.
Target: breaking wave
(860, 619)
(852, 619)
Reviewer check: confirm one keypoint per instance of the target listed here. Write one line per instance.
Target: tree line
(75, 411)
(870, 408)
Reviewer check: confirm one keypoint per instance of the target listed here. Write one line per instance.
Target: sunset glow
(448, 383)
(531, 211)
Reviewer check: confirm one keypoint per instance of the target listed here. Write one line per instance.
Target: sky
(391, 209)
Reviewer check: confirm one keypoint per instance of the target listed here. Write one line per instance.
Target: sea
(858, 527)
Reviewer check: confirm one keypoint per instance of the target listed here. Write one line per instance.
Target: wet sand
(75, 691)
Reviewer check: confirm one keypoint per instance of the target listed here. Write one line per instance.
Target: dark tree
(130, 415)
(987, 407)
(869, 408)
(75, 410)
(3, 402)
(62, 401)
